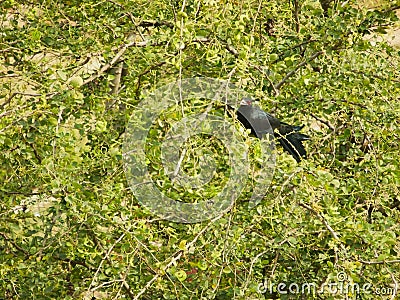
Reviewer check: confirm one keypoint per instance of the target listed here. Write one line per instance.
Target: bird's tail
(292, 143)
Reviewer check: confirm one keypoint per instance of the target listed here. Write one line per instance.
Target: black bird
(254, 118)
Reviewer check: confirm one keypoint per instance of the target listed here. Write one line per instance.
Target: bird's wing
(254, 118)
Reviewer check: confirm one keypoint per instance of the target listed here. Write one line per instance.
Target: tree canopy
(73, 72)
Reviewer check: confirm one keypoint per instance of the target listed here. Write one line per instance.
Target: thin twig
(22, 193)
(149, 23)
(57, 128)
(117, 58)
(16, 246)
(177, 256)
(379, 262)
(251, 268)
(228, 47)
(296, 10)
(19, 93)
(291, 73)
(200, 119)
(10, 75)
(323, 220)
(107, 255)
(258, 68)
(156, 24)
(98, 244)
(323, 122)
(275, 263)
(395, 283)
(231, 50)
(374, 76)
(309, 41)
(395, 7)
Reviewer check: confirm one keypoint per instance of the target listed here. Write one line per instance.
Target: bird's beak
(245, 102)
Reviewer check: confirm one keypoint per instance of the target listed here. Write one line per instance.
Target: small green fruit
(76, 81)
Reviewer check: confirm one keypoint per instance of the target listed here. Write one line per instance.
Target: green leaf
(181, 275)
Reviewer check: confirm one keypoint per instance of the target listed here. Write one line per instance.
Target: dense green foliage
(71, 74)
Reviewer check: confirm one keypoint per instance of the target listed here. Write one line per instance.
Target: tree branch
(107, 257)
(118, 56)
(333, 233)
(16, 246)
(18, 93)
(156, 24)
(323, 122)
(258, 68)
(381, 262)
(291, 73)
(177, 256)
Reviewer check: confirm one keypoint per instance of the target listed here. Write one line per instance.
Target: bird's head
(246, 101)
